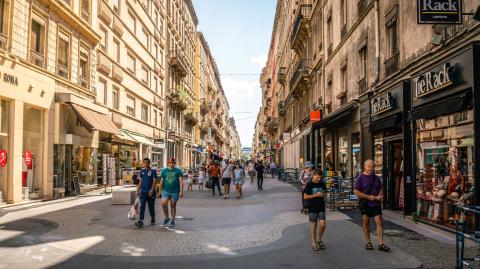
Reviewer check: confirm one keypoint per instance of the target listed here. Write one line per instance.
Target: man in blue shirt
(146, 192)
(172, 186)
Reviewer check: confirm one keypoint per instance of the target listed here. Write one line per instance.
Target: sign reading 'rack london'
(439, 11)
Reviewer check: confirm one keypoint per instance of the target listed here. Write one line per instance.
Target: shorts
(200, 180)
(238, 181)
(371, 211)
(170, 196)
(226, 181)
(189, 182)
(313, 217)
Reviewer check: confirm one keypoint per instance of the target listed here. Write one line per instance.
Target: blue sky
(238, 34)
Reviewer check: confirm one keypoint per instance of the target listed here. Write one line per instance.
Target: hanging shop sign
(28, 159)
(315, 115)
(382, 103)
(433, 81)
(3, 158)
(439, 11)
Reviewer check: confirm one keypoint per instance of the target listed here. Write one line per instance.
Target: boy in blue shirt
(172, 186)
(146, 192)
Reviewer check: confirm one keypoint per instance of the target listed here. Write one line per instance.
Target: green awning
(467, 142)
(138, 137)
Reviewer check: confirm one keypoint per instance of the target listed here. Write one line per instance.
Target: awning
(139, 138)
(93, 120)
(337, 115)
(385, 123)
(467, 142)
(124, 136)
(449, 106)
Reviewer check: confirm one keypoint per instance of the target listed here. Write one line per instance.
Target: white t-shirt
(228, 172)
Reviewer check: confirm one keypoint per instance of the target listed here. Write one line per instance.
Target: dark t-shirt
(259, 168)
(363, 183)
(148, 176)
(317, 204)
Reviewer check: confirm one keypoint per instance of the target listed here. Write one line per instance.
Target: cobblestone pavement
(263, 230)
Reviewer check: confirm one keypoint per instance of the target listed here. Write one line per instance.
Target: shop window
(130, 105)
(356, 155)
(4, 21)
(37, 40)
(84, 67)
(4, 134)
(343, 155)
(63, 55)
(445, 157)
(130, 63)
(32, 178)
(115, 97)
(378, 153)
(116, 50)
(144, 114)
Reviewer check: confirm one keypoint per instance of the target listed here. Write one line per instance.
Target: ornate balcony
(282, 110)
(300, 79)
(178, 62)
(301, 28)
(173, 97)
(191, 117)
(204, 107)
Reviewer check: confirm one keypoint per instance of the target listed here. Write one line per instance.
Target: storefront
(76, 145)
(390, 148)
(340, 142)
(445, 117)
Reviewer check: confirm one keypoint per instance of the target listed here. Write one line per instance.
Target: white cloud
(260, 60)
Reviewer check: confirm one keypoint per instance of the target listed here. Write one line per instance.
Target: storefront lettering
(382, 103)
(10, 79)
(432, 81)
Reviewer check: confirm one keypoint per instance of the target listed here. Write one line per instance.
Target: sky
(238, 34)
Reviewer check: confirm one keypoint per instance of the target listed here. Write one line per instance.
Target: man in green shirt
(172, 186)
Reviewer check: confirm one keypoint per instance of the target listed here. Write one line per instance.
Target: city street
(264, 230)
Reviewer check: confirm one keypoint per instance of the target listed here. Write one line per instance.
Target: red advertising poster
(28, 159)
(3, 158)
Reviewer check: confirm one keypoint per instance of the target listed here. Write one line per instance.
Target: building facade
(358, 80)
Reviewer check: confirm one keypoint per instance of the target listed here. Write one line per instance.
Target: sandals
(321, 245)
(384, 248)
(369, 246)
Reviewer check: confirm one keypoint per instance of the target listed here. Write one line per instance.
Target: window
(155, 83)
(130, 63)
(37, 40)
(144, 74)
(115, 97)
(156, 18)
(161, 57)
(343, 12)
(143, 36)
(102, 91)
(83, 67)
(4, 20)
(363, 62)
(131, 21)
(116, 50)
(160, 86)
(130, 105)
(116, 6)
(155, 119)
(343, 99)
(144, 112)
(63, 53)
(393, 39)
(103, 39)
(161, 120)
(161, 25)
(85, 9)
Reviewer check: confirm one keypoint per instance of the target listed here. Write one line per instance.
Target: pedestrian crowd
(169, 184)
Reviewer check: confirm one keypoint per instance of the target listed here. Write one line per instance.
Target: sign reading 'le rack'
(433, 81)
(382, 103)
(439, 11)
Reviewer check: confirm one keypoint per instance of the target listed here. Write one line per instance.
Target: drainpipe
(377, 44)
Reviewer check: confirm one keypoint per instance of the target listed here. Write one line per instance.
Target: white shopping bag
(133, 213)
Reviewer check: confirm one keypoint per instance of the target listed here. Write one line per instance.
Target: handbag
(208, 184)
(363, 203)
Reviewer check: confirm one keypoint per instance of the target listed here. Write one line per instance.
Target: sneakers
(139, 224)
(165, 221)
(172, 224)
(152, 222)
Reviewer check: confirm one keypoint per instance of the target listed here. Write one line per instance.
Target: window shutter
(63, 48)
(394, 38)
